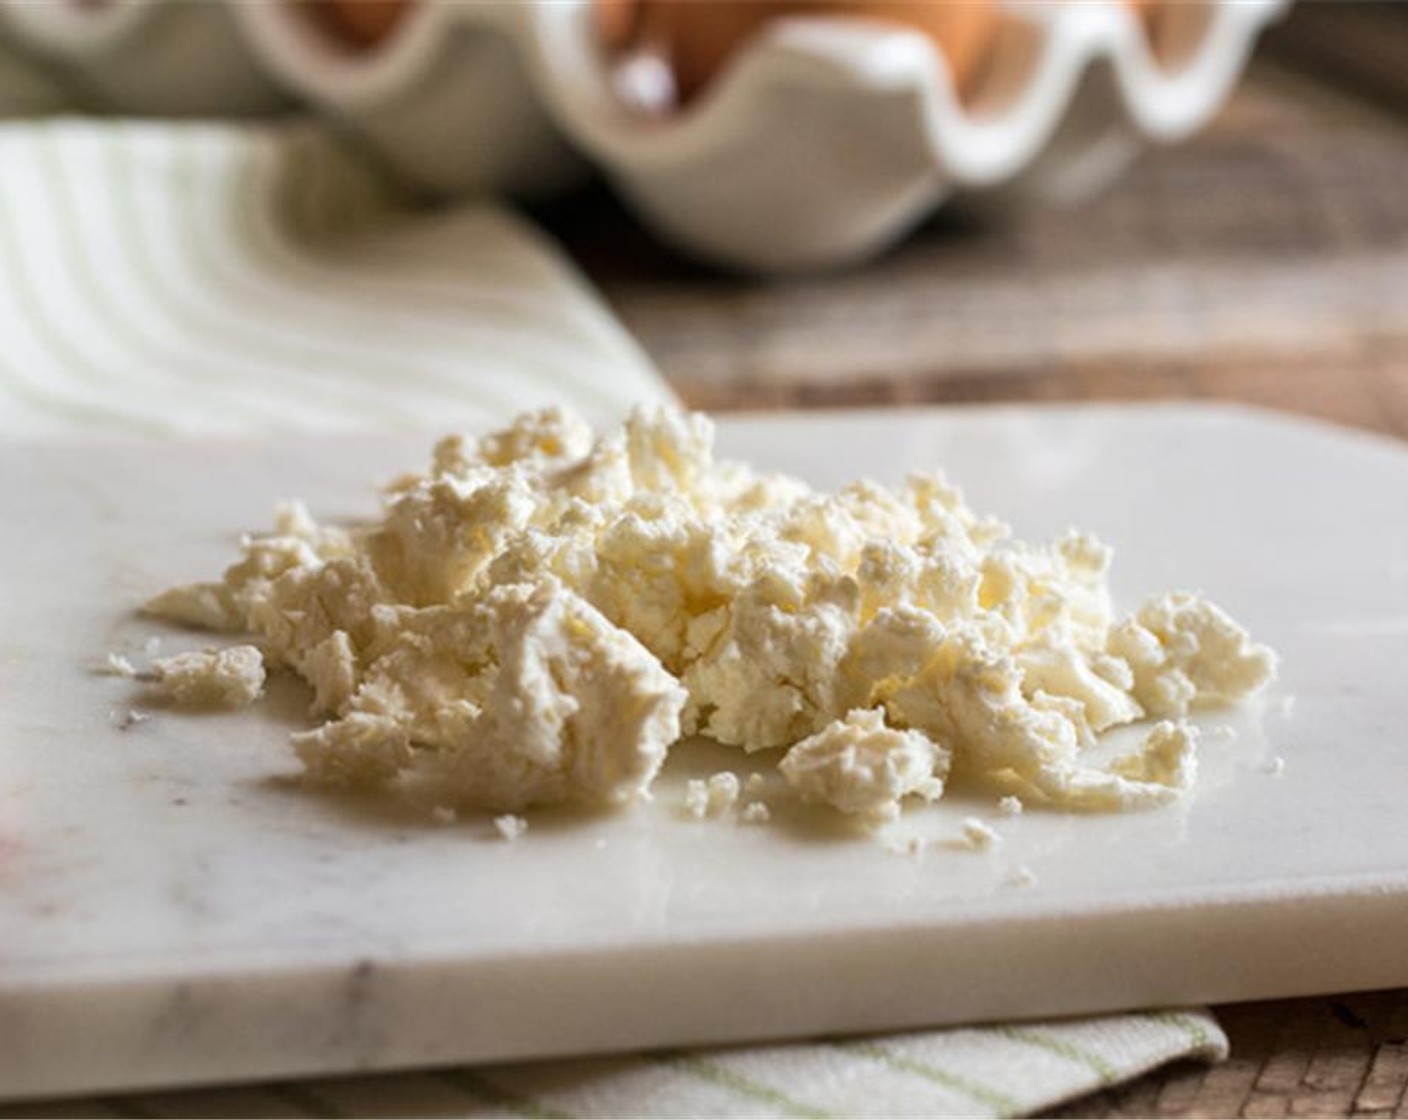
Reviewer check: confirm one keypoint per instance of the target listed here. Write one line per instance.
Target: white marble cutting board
(174, 908)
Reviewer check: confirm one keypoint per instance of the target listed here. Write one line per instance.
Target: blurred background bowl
(763, 136)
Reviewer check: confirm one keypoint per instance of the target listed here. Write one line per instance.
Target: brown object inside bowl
(357, 24)
(696, 38)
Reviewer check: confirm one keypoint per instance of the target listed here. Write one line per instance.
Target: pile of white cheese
(539, 616)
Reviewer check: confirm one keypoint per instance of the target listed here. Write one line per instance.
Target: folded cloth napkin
(211, 278)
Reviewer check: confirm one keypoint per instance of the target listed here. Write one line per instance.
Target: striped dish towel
(983, 1071)
(218, 279)
(201, 278)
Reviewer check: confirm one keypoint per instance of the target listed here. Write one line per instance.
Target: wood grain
(1334, 1056)
(1360, 46)
(1266, 262)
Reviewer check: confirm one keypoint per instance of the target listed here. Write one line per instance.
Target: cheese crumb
(1022, 876)
(711, 798)
(116, 665)
(510, 827)
(696, 798)
(1275, 766)
(1010, 806)
(1166, 758)
(755, 812)
(1184, 651)
(977, 835)
(723, 792)
(225, 678)
(863, 768)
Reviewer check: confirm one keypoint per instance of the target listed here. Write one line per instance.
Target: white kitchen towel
(204, 278)
(223, 279)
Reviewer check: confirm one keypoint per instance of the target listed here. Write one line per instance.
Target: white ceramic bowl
(826, 139)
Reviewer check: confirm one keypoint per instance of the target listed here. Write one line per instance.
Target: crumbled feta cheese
(1010, 806)
(862, 767)
(510, 827)
(214, 678)
(1184, 651)
(711, 798)
(540, 615)
(1167, 757)
(1275, 766)
(116, 665)
(206, 606)
(977, 835)
(755, 812)
(723, 792)
(525, 697)
(696, 798)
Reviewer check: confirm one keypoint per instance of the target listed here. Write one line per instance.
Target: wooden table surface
(1265, 261)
